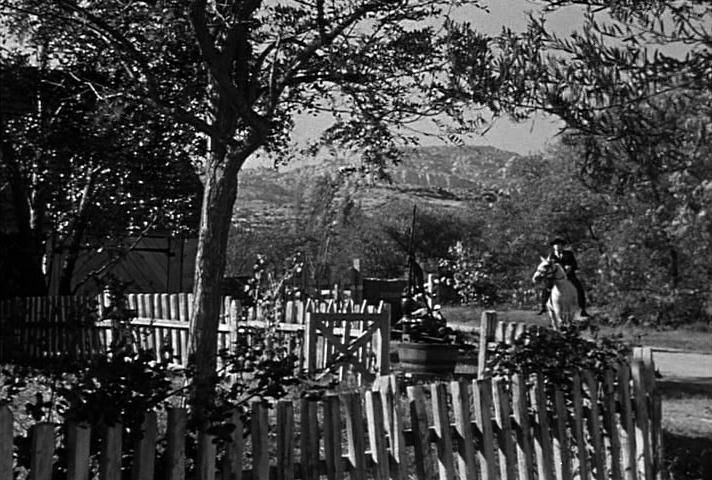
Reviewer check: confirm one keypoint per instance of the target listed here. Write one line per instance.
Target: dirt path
(683, 373)
(679, 364)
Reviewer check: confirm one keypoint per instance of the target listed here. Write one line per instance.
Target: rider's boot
(544, 298)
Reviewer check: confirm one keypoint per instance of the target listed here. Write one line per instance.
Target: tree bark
(219, 194)
(220, 191)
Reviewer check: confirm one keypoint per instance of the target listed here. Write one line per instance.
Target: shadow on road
(671, 387)
(684, 456)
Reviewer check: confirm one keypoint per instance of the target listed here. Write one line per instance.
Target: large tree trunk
(220, 190)
(219, 193)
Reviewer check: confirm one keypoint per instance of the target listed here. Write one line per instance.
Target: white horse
(563, 301)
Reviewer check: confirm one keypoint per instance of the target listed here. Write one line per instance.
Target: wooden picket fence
(40, 328)
(510, 429)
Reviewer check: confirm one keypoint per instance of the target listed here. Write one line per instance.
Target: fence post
(562, 450)
(627, 426)
(42, 451)
(377, 434)
(143, 467)
(175, 448)
(611, 423)
(157, 310)
(525, 460)
(110, 461)
(578, 428)
(482, 393)
(542, 435)
(356, 281)
(165, 306)
(384, 354)
(289, 311)
(500, 331)
(655, 404)
(310, 343)
(232, 461)
(487, 326)
(285, 439)
(235, 311)
(599, 454)
(207, 452)
(463, 425)
(424, 466)
(642, 428)
(5, 442)
(260, 442)
(354, 435)
(441, 423)
(78, 437)
(503, 412)
(309, 438)
(332, 438)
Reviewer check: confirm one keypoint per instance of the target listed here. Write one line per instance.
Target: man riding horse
(566, 259)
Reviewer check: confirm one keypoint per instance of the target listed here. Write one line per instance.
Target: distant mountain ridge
(447, 176)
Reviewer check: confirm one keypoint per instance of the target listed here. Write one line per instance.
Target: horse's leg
(553, 318)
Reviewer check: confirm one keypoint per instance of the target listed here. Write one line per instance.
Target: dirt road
(683, 372)
(679, 364)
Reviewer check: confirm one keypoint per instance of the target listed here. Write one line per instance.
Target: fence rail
(605, 428)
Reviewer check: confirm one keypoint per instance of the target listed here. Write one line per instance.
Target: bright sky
(531, 136)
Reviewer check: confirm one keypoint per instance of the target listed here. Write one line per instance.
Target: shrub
(557, 355)
(470, 274)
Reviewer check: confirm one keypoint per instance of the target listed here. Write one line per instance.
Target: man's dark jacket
(568, 261)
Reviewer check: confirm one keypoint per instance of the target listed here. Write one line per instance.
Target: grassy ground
(687, 435)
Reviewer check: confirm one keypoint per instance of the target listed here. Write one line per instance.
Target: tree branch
(327, 38)
(111, 36)
(220, 65)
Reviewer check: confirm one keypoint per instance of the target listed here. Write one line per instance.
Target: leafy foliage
(632, 87)
(557, 355)
(262, 363)
(86, 171)
(470, 275)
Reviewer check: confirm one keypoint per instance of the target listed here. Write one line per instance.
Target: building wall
(158, 263)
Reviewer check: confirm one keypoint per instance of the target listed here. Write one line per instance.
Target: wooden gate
(356, 341)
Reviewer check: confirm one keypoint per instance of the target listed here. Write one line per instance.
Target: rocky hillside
(443, 176)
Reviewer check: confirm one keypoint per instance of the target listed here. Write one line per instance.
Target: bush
(558, 355)
(471, 275)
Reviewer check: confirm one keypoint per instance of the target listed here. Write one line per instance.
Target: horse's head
(548, 270)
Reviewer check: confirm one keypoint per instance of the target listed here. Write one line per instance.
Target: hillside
(443, 176)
